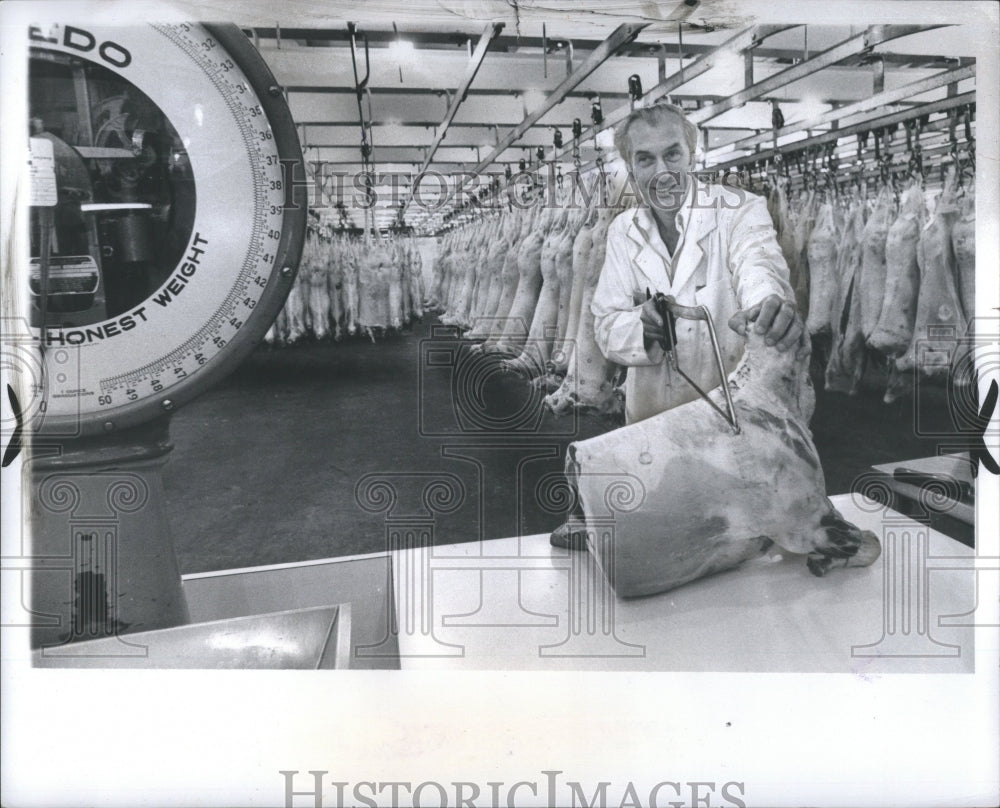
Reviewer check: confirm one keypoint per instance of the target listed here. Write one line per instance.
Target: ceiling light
(810, 106)
(401, 48)
(533, 99)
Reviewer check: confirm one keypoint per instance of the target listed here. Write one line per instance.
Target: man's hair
(652, 116)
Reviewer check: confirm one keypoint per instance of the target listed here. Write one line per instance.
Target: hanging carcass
(416, 281)
(873, 262)
(802, 229)
(583, 244)
(777, 205)
(517, 321)
(510, 276)
(374, 277)
(894, 330)
(846, 365)
(963, 240)
(589, 380)
(538, 344)
(823, 283)
(565, 257)
(500, 245)
(939, 319)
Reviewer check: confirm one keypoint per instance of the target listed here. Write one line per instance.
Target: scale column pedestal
(102, 554)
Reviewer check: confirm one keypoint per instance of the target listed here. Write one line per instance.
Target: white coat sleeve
(758, 266)
(617, 327)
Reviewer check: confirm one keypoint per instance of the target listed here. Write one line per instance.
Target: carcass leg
(842, 544)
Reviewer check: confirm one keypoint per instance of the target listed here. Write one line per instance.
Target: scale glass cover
(164, 234)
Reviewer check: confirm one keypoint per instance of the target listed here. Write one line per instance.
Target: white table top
(509, 604)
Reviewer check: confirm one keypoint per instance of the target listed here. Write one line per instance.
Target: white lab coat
(727, 259)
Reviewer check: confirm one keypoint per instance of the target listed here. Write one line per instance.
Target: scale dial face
(171, 239)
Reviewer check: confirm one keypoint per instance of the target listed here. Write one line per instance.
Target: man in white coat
(706, 245)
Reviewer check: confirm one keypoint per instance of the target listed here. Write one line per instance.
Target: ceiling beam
(442, 40)
(620, 36)
(874, 102)
(320, 89)
(862, 43)
(741, 41)
(489, 34)
(845, 131)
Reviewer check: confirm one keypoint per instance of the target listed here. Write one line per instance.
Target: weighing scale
(164, 241)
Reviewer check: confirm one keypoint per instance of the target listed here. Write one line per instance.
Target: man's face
(661, 161)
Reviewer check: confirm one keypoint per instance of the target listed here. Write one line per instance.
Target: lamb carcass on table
(704, 498)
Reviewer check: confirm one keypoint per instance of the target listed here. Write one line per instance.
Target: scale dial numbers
(198, 243)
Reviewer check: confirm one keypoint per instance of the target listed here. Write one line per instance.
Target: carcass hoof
(547, 383)
(571, 535)
(818, 564)
(560, 403)
(864, 554)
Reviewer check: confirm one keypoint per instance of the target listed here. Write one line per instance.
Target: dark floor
(266, 465)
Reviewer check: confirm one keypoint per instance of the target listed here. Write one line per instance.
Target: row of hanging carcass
(349, 285)
(884, 280)
(876, 276)
(522, 283)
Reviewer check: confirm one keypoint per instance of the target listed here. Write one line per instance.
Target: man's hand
(776, 319)
(652, 326)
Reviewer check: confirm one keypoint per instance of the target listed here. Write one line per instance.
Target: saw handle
(680, 310)
(662, 304)
(669, 309)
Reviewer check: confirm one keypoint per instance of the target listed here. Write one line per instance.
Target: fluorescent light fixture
(533, 99)
(809, 107)
(401, 48)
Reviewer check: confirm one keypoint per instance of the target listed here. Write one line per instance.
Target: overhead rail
(320, 38)
(745, 39)
(866, 105)
(323, 89)
(852, 46)
(621, 36)
(871, 124)
(489, 34)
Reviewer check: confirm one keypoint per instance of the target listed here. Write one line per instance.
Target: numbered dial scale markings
(172, 241)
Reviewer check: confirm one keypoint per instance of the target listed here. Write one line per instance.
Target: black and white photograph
(504, 403)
